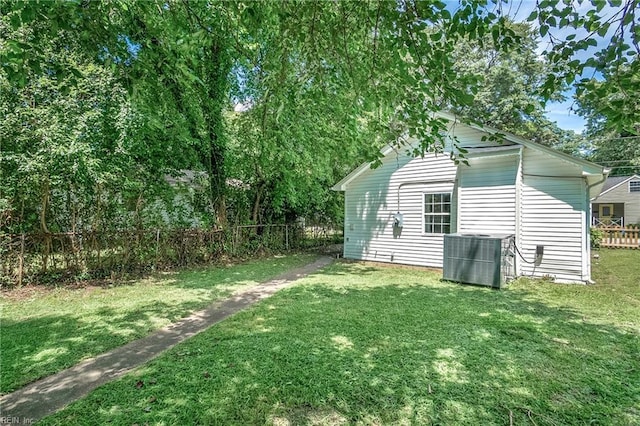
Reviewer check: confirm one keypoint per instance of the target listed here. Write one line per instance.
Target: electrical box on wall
(398, 220)
(539, 254)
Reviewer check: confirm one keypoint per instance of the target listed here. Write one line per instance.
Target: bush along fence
(71, 256)
(619, 237)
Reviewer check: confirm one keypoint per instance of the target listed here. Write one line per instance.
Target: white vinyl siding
(398, 185)
(487, 195)
(553, 214)
(536, 196)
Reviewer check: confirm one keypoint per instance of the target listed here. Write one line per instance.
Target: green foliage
(118, 94)
(506, 85)
(612, 109)
(595, 236)
(620, 153)
(63, 141)
(609, 100)
(612, 103)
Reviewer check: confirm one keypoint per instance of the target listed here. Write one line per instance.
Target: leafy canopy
(118, 94)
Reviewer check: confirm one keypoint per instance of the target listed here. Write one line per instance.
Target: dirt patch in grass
(31, 291)
(23, 293)
(397, 266)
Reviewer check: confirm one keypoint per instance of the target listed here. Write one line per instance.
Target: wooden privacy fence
(70, 256)
(618, 237)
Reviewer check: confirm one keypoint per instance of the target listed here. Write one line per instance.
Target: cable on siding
(520, 254)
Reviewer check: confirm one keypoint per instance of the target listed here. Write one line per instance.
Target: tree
(62, 141)
(505, 85)
(605, 40)
(613, 125)
(328, 82)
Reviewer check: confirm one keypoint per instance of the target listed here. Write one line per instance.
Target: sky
(561, 113)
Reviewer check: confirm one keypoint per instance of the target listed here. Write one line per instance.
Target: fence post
(96, 245)
(21, 261)
(155, 266)
(286, 236)
(234, 240)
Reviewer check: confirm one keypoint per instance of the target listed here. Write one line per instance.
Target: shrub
(596, 237)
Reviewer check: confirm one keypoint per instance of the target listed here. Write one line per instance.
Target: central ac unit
(478, 259)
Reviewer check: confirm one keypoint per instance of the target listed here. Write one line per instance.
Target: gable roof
(341, 186)
(587, 166)
(615, 181)
(597, 172)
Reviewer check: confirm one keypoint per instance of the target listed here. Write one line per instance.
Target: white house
(516, 187)
(619, 202)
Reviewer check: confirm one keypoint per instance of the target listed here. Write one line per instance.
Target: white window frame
(441, 214)
(634, 186)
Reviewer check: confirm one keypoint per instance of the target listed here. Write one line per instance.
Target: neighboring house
(187, 206)
(178, 208)
(517, 187)
(618, 203)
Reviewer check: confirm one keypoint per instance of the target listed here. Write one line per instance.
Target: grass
(43, 331)
(369, 344)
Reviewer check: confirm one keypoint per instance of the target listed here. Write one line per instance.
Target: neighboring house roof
(594, 173)
(615, 181)
(186, 177)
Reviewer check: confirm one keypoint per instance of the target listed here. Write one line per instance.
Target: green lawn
(365, 344)
(43, 331)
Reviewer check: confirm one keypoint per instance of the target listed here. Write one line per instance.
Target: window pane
(437, 213)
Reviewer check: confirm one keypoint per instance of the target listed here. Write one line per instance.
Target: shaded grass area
(44, 331)
(366, 344)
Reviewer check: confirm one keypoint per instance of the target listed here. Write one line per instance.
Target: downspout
(518, 236)
(605, 172)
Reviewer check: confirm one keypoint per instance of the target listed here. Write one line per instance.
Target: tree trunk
(218, 67)
(256, 204)
(44, 205)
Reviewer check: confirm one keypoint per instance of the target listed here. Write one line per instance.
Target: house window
(634, 186)
(437, 213)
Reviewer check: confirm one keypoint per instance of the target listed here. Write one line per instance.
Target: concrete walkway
(48, 395)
